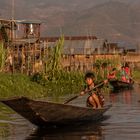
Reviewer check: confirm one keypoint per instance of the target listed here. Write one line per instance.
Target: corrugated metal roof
(29, 21)
(82, 46)
(79, 47)
(54, 39)
(31, 40)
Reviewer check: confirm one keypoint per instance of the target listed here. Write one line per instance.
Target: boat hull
(42, 113)
(120, 85)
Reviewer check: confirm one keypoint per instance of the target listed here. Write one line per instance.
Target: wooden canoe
(43, 113)
(120, 85)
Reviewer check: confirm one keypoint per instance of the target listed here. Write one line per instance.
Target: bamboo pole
(23, 59)
(28, 59)
(13, 66)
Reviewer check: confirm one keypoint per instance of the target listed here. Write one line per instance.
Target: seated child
(94, 99)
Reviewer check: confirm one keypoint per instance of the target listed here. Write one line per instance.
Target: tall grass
(56, 80)
(53, 64)
(60, 82)
(2, 56)
(65, 83)
(12, 85)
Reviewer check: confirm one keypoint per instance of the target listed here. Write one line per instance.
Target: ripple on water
(121, 131)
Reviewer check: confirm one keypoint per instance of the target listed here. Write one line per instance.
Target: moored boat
(43, 113)
(120, 85)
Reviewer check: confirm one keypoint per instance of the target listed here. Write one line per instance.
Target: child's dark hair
(114, 69)
(89, 75)
(126, 65)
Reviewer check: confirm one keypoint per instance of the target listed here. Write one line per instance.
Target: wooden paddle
(134, 80)
(76, 96)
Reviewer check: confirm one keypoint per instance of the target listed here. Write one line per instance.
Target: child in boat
(124, 76)
(112, 74)
(128, 70)
(94, 99)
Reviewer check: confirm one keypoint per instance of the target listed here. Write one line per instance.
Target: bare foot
(99, 107)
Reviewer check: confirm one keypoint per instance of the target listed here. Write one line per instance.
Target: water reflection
(4, 125)
(125, 97)
(12, 125)
(124, 123)
(88, 131)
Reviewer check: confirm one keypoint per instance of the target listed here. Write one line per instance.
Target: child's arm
(83, 92)
(101, 84)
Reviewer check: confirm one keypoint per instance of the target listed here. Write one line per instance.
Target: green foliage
(53, 64)
(19, 85)
(102, 67)
(2, 56)
(22, 85)
(38, 78)
(64, 83)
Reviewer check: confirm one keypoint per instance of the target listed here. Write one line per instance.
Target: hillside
(111, 19)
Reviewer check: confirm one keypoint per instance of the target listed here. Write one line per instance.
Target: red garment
(111, 76)
(127, 70)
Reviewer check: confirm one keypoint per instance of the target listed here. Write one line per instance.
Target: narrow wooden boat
(120, 85)
(43, 113)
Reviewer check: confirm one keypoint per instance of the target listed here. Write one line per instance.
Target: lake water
(121, 122)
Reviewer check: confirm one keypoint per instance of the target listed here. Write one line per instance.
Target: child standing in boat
(95, 100)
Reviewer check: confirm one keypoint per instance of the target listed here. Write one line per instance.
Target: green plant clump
(19, 85)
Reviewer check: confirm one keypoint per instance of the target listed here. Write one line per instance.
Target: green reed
(53, 63)
(2, 56)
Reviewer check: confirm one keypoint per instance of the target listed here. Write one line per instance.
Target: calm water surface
(121, 122)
